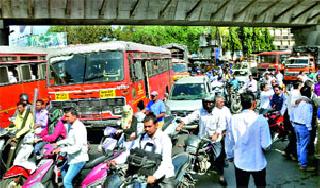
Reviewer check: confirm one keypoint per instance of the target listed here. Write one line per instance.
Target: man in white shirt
(247, 139)
(210, 125)
(76, 147)
(252, 85)
(265, 97)
(162, 146)
(279, 77)
(224, 119)
(291, 149)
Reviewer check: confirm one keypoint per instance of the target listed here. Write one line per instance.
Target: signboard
(48, 39)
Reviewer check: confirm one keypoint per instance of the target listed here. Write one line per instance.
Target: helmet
(208, 103)
(24, 97)
(54, 115)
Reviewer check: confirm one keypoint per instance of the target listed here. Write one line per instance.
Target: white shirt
(208, 122)
(265, 98)
(252, 85)
(224, 117)
(76, 143)
(246, 138)
(302, 114)
(163, 146)
(293, 96)
(279, 77)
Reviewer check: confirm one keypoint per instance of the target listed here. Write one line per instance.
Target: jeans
(69, 171)
(303, 138)
(38, 147)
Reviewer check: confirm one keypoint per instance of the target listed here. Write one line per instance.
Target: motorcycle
(276, 125)
(202, 152)
(92, 174)
(181, 176)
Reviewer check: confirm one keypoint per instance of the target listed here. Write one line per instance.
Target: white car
(186, 95)
(242, 72)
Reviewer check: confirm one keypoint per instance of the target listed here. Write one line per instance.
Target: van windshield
(187, 91)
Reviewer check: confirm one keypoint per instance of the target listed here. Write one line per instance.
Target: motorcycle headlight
(117, 110)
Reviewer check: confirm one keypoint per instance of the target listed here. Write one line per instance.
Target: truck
(303, 59)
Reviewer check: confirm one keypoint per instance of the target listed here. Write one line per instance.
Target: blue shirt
(234, 83)
(157, 108)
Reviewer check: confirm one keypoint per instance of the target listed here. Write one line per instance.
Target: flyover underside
(142, 22)
(307, 36)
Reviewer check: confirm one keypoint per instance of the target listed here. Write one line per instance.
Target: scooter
(93, 173)
(276, 125)
(23, 166)
(4, 149)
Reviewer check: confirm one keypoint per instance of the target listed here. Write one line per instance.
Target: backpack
(143, 162)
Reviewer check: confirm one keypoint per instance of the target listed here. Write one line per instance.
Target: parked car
(186, 96)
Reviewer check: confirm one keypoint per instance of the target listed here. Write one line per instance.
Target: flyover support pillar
(307, 36)
(4, 33)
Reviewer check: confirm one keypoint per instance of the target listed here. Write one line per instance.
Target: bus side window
(150, 68)
(34, 71)
(25, 72)
(42, 72)
(3, 75)
(15, 74)
(138, 70)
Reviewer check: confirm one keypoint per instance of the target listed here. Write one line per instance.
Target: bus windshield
(92, 67)
(297, 61)
(267, 59)
(180, 67)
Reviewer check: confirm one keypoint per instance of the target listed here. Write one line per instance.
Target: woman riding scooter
(54, 131)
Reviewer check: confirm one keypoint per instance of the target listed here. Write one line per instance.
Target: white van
(186, 95)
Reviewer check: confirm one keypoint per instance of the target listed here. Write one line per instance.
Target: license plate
(108, 93)
(62, 96)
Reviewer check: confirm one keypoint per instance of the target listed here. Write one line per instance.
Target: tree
(233, 38)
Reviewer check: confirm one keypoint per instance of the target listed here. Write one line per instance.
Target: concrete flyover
(276, 13)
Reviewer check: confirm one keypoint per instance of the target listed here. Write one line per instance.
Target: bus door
(140, 76)
(146, 77)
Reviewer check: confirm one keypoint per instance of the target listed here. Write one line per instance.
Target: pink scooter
(95, 177)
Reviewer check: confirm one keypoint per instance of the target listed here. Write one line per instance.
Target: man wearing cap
(157, 107)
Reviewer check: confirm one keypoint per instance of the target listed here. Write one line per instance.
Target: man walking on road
(247, 139)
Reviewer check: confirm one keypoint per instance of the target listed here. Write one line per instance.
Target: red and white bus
(272, 61)
(21, 71)
(100, 78)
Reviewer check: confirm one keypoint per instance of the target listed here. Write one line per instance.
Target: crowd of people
(244, 137)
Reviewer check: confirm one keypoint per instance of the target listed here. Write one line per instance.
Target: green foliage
(233, 38)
